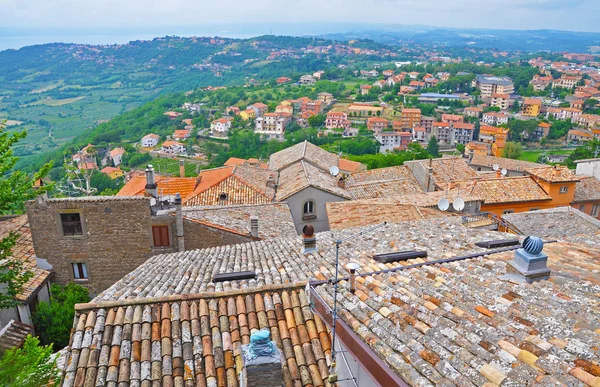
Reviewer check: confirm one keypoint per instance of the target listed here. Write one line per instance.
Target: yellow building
(491, 134)
(474, 148)
(248, 114)
(498, 148)
(113, 173)
(532, 107)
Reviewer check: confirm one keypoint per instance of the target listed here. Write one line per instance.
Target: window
(160, 236)
(80, 271)
(223, 198)
(564, 189)
(595, 210)
(71, 224)
(582, 208)
(507, 212)
(308, 209)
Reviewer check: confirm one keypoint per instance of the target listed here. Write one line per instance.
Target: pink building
(337, 120)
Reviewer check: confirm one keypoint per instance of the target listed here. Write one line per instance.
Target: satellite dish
(443, 204)
(334, 170)
(504, 171)
(495, 167)
(458, 204)
(352, 266)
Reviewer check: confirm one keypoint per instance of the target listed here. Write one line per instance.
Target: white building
(220, 127)
(589, 167)
(272, 125)
(173, 147)
(117, 156)
(150, 140)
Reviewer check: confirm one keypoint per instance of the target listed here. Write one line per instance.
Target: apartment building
(410, 118)
(391, 141)
(489, 85)
(272, 125)
(532, 107)
(336, 120)
(377, 124)
(566, 81)
(494, 118)
(501, 101)
(491, 134)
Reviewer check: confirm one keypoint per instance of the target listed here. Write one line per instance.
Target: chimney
(530, 263)
(352, 267)
(498, 173)
(341, 183)
(254, 226)
(151, 187)
(309, 240)
(181, 168)
(556, 171)
(179, 223)
(262, 361)
(271, 181)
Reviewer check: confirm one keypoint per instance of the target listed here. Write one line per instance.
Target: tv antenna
(350, 266)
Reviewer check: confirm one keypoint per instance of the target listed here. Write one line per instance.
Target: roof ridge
(190, 297)
(304, 149)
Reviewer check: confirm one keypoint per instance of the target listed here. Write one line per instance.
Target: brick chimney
(262, 361)
(254, 226)
(181, 168)
(271, 182)
(309, 240)
(179, 223)
(556, 171)
(151, 187)
(341, 183)
(530, 263)
(498, 173)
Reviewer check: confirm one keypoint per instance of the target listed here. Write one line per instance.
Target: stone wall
(117, 237)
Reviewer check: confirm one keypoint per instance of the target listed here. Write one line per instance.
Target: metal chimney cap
(177, 198)
(352, 266)
(308, 230)
(533, 245)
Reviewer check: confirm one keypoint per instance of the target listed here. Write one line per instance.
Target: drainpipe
(179, 223)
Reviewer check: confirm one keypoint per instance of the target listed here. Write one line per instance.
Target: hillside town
(375, 225)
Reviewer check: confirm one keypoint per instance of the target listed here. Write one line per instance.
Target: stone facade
(116, 237)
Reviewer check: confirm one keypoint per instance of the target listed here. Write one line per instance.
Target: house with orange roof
(173, 115)
(220, 127)
(248, 114)
(566, 81)
(569, 114)
(284, 109)
(282, 80)
(181, 134)
(337, 120)
(259, 109)
(172, 147)
(116, 156)
(532, 107)
(472, 111)
(377, 124)
(411, 117)
(150, 140)
(542, 130)
(364, 89)
(452, 118)
(348, 167)
(490, 134)
(477, 148)
(417, 85)
(113, 173)
(579, 136)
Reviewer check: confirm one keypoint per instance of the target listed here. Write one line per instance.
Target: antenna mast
(338, 243)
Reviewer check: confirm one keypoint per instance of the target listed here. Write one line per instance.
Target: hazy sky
(578, 15)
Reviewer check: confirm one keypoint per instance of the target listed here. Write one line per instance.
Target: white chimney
(151, 187)
(254, 226)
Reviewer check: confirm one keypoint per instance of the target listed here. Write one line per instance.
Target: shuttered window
(160, 235)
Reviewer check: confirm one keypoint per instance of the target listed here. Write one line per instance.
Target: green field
(533, 156)
(56, 102)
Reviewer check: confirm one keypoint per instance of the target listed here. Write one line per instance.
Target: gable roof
(243, 184)
(502, 162)
(23, 251)
(274, 219)
(381, 182)
(587, 189)
(553, 175)
(504, 190)
(351, 166)
(303, 151)
(559, 222)
(301, 175)
(166, 186)
(195, 341)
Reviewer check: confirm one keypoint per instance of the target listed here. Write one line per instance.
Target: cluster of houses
(213, 265)
(111, 159)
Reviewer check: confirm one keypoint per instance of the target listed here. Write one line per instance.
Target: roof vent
(254, 226)
(529, 262)
(234, 276)
(399, 256)
(309, 240)
(497, 243)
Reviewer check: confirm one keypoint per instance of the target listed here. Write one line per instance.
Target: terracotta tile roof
(445, 170)
(237, 161)
(463, 323)
(195, 340)
(108, 170)
(301, 175)
(303, 151)
(463, 125)
(166, 186)
(382, 182)
(553, 175)
(543, 124)
(493, 129)
(116, 152)
(509, 164)
(274, 219)
(505, 190)
(532, 101)
(24, 252)
(587, 189)
(350, 166)
(356, 213)
(242, 184)
(280, 260)
(560, 222)
(152, 135)
(13, 334)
